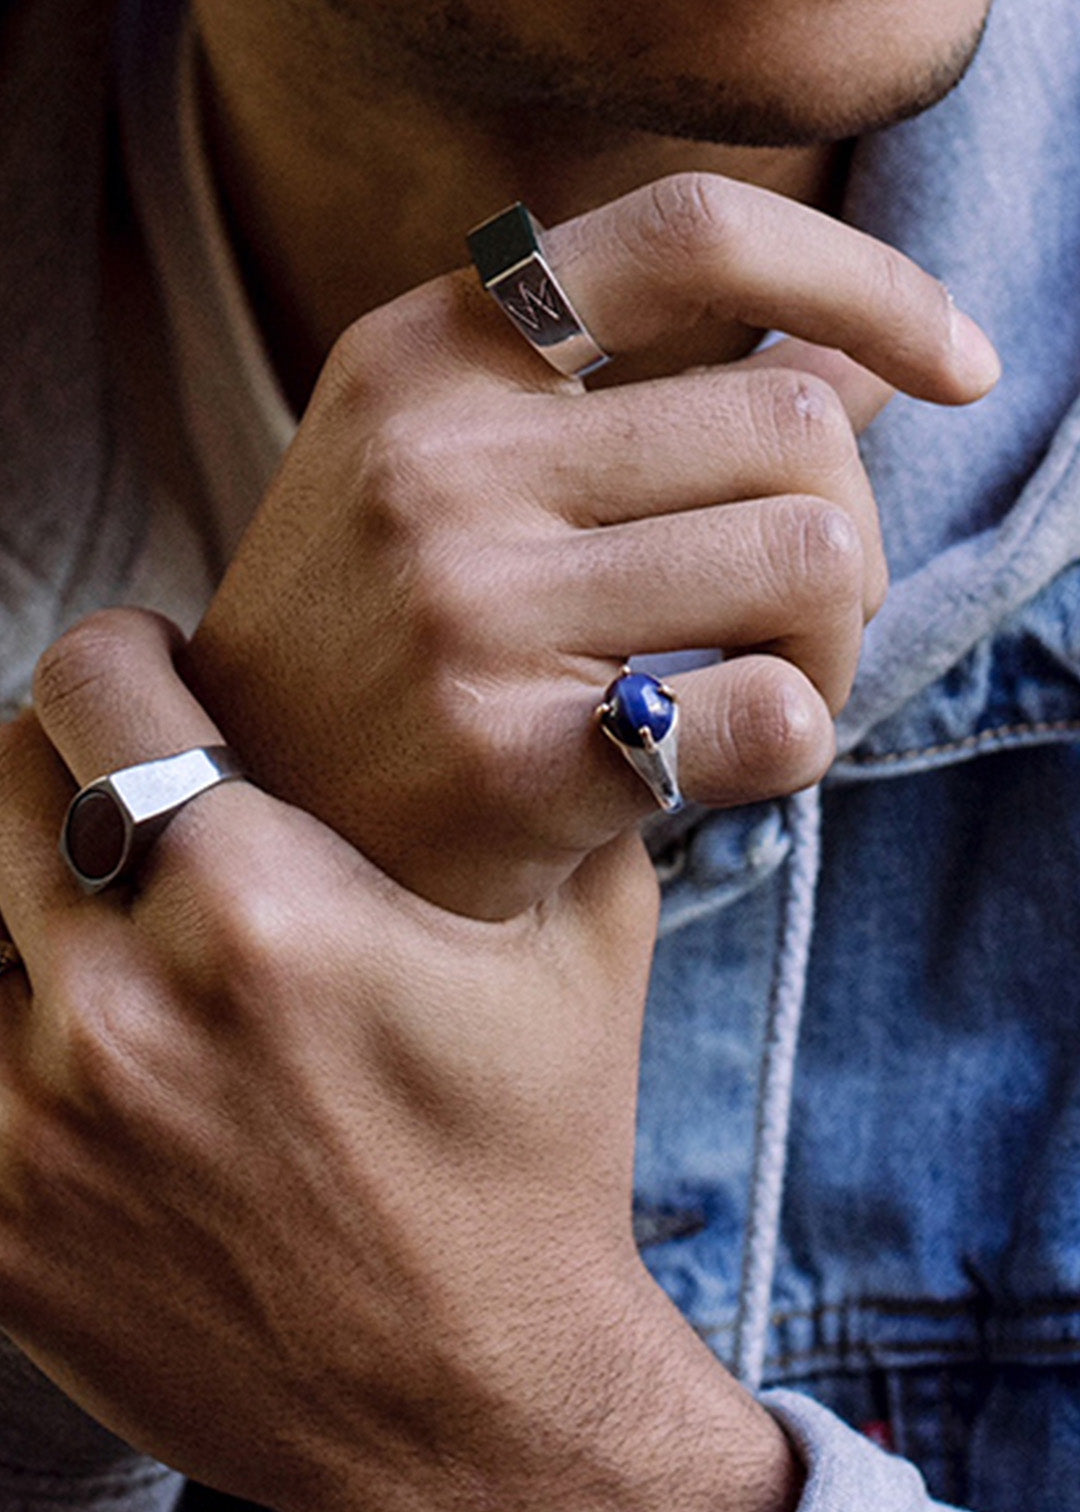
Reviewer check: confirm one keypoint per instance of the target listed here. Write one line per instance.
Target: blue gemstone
(638, 702)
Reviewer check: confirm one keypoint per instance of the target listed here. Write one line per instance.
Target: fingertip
(757, 728)
(977, 362)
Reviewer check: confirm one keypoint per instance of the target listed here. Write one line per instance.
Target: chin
(800, 72)
(768, 73)
(774, 73)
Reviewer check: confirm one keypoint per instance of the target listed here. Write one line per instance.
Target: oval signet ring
(112, 822)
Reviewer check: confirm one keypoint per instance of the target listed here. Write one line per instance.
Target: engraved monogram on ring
(508, 253)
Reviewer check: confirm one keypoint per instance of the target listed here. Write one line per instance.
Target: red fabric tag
(880, 1433)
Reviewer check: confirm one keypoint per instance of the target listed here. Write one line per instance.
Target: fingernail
(977, 358)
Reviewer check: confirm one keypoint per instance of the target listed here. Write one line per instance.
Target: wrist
(679, 1433)
(627, 1411)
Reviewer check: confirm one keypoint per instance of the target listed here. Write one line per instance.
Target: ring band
(640, 714)
(113, 821)
(508, 251)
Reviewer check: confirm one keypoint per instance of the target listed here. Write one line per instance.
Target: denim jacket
(927, 1275)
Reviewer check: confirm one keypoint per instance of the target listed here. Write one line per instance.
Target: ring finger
(749, 729)
(785, 574)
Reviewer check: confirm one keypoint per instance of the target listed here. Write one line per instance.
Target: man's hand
(315, 1191)
(462, 547)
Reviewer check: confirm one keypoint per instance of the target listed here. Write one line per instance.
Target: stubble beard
(480, 66)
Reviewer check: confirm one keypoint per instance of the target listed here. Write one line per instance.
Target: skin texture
(380, 1150)
(743, 73)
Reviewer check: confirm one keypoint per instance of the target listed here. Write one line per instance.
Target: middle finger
(691, 442)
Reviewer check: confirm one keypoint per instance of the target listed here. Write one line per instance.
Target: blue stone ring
(641, 715)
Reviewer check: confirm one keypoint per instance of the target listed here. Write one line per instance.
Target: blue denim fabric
(932, 1218)
(929, 1270)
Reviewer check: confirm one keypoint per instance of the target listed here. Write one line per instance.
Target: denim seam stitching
(928, 1306)
(952, 1349)
(970, 742)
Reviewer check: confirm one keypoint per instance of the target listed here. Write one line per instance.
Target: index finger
(661, 258)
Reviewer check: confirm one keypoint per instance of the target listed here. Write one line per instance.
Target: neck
(344, 190)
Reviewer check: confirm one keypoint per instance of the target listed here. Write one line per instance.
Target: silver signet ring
(113, 821)
(508, 251)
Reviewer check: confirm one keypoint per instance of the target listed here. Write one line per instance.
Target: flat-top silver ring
(112, 822)
(508, 251)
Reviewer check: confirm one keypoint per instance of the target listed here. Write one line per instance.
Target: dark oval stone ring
(640, 714)
(112, 822)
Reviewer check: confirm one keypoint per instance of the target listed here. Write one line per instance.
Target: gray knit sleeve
(845, 1471)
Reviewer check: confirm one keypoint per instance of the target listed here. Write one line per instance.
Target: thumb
(862, 393)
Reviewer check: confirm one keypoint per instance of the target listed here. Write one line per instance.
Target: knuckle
(693, 214)
(73, 663)
(477, 730)
(229, 957)
(76, 663)
(823, 552)
(410, 476)
(245, 932)
(805, 415)
(896, 278)
(349, 371)
(445, 603)
(393, 458)
(355, 373)
(778, 727)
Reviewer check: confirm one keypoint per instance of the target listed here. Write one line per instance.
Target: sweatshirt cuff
(845, 1472)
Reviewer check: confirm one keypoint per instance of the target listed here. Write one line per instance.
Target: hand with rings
(309, 1188)
(464, 545)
